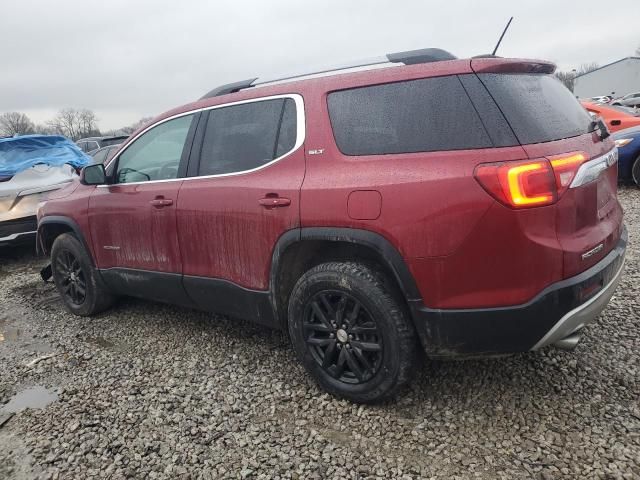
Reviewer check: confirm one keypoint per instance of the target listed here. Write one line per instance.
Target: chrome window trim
(591, 170)
(300, 137)
(377, 65)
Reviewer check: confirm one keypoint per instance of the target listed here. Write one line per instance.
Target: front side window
(155, 155)
(247, 136)
(405, 117)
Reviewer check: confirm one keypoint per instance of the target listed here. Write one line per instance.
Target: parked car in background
(91, 144)
(634, 112)
(602, 99)
(104, 154)
(628, 143)
(362, 213)
(629, 100)
(30, 167)
(614, 118)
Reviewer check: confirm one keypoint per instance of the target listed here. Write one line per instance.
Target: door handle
(616, 122)
(161, 202)
(270, 202)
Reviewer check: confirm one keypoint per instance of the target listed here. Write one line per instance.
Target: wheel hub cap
(342, 336)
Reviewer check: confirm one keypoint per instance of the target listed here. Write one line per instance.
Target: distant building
(622, 77)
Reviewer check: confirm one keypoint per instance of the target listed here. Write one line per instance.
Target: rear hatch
(552, 127)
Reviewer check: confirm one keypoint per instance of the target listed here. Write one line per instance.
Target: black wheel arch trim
(62, 220)
(388, 253)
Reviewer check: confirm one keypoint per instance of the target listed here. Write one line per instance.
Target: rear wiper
(599, 125)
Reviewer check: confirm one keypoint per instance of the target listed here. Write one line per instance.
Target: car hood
(20, 195)
(633, 131)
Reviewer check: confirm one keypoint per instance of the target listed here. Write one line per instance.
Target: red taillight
(530, 183)
(565, 168)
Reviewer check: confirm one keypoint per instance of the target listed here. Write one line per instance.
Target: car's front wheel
(635, 171)
(351, 333)
(82, 290)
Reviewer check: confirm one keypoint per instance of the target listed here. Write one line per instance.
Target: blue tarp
(19, 153)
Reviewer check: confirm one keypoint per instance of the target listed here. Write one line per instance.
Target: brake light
(530, 183)
(519, 184)
(565, 168)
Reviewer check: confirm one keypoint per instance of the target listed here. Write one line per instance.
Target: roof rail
(410, 57)
(230, 88)
(424, 55)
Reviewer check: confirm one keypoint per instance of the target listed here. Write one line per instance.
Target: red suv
(467, 206)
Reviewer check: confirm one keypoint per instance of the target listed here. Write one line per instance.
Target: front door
(133, 219)
(244, 195)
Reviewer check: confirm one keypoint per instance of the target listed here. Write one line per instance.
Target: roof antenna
(502, 36)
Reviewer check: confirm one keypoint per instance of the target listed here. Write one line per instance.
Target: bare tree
(75, 123)
(135, 126)
(45, 130)
(586, 68)
(569, 78)
(15, 123)
(566, 78)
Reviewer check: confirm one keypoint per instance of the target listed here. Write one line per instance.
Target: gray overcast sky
(129, 59)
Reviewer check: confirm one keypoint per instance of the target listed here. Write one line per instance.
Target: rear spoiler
(511, 65)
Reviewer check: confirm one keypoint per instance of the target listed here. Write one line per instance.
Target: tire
(635, 171)
(80, 286)
(370, 352)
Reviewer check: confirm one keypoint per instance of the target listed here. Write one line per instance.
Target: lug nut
(350, 337)
(331, 335)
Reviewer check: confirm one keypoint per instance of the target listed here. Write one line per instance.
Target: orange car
(615, 118)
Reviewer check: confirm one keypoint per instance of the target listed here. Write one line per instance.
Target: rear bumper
(18, 230)
(557, 312)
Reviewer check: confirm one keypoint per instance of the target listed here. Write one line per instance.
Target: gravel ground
(152, 391)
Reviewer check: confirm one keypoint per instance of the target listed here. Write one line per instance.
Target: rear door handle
(274, 202)
(616, 122)
(161, 202)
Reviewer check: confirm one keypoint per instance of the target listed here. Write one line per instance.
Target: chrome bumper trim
(13, 236)
(582, 314)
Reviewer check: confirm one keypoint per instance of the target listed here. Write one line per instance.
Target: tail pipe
(570, 342)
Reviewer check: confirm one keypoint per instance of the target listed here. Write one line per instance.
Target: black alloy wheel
(342, 337)
(73, 283)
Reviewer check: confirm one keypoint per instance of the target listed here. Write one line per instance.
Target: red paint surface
(463, 248)
(223, 230)
(364, 205)
(137, 234)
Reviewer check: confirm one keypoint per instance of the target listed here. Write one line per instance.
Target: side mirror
(93, 175)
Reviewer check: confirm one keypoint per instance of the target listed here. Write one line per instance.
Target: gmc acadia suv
(467, 206)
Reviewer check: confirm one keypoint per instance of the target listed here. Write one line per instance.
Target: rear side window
(415, 116)
(538, 107)
(247, 136)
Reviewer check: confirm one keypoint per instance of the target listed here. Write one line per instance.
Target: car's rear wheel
(82, 290)
(351, 333)
(635, 171)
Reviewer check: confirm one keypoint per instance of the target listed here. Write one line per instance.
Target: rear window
(538, 107)
(415, 116)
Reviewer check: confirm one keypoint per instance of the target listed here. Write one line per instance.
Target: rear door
(133, 219)
(243, 196)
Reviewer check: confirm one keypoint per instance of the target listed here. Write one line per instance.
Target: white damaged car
(30, 167)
